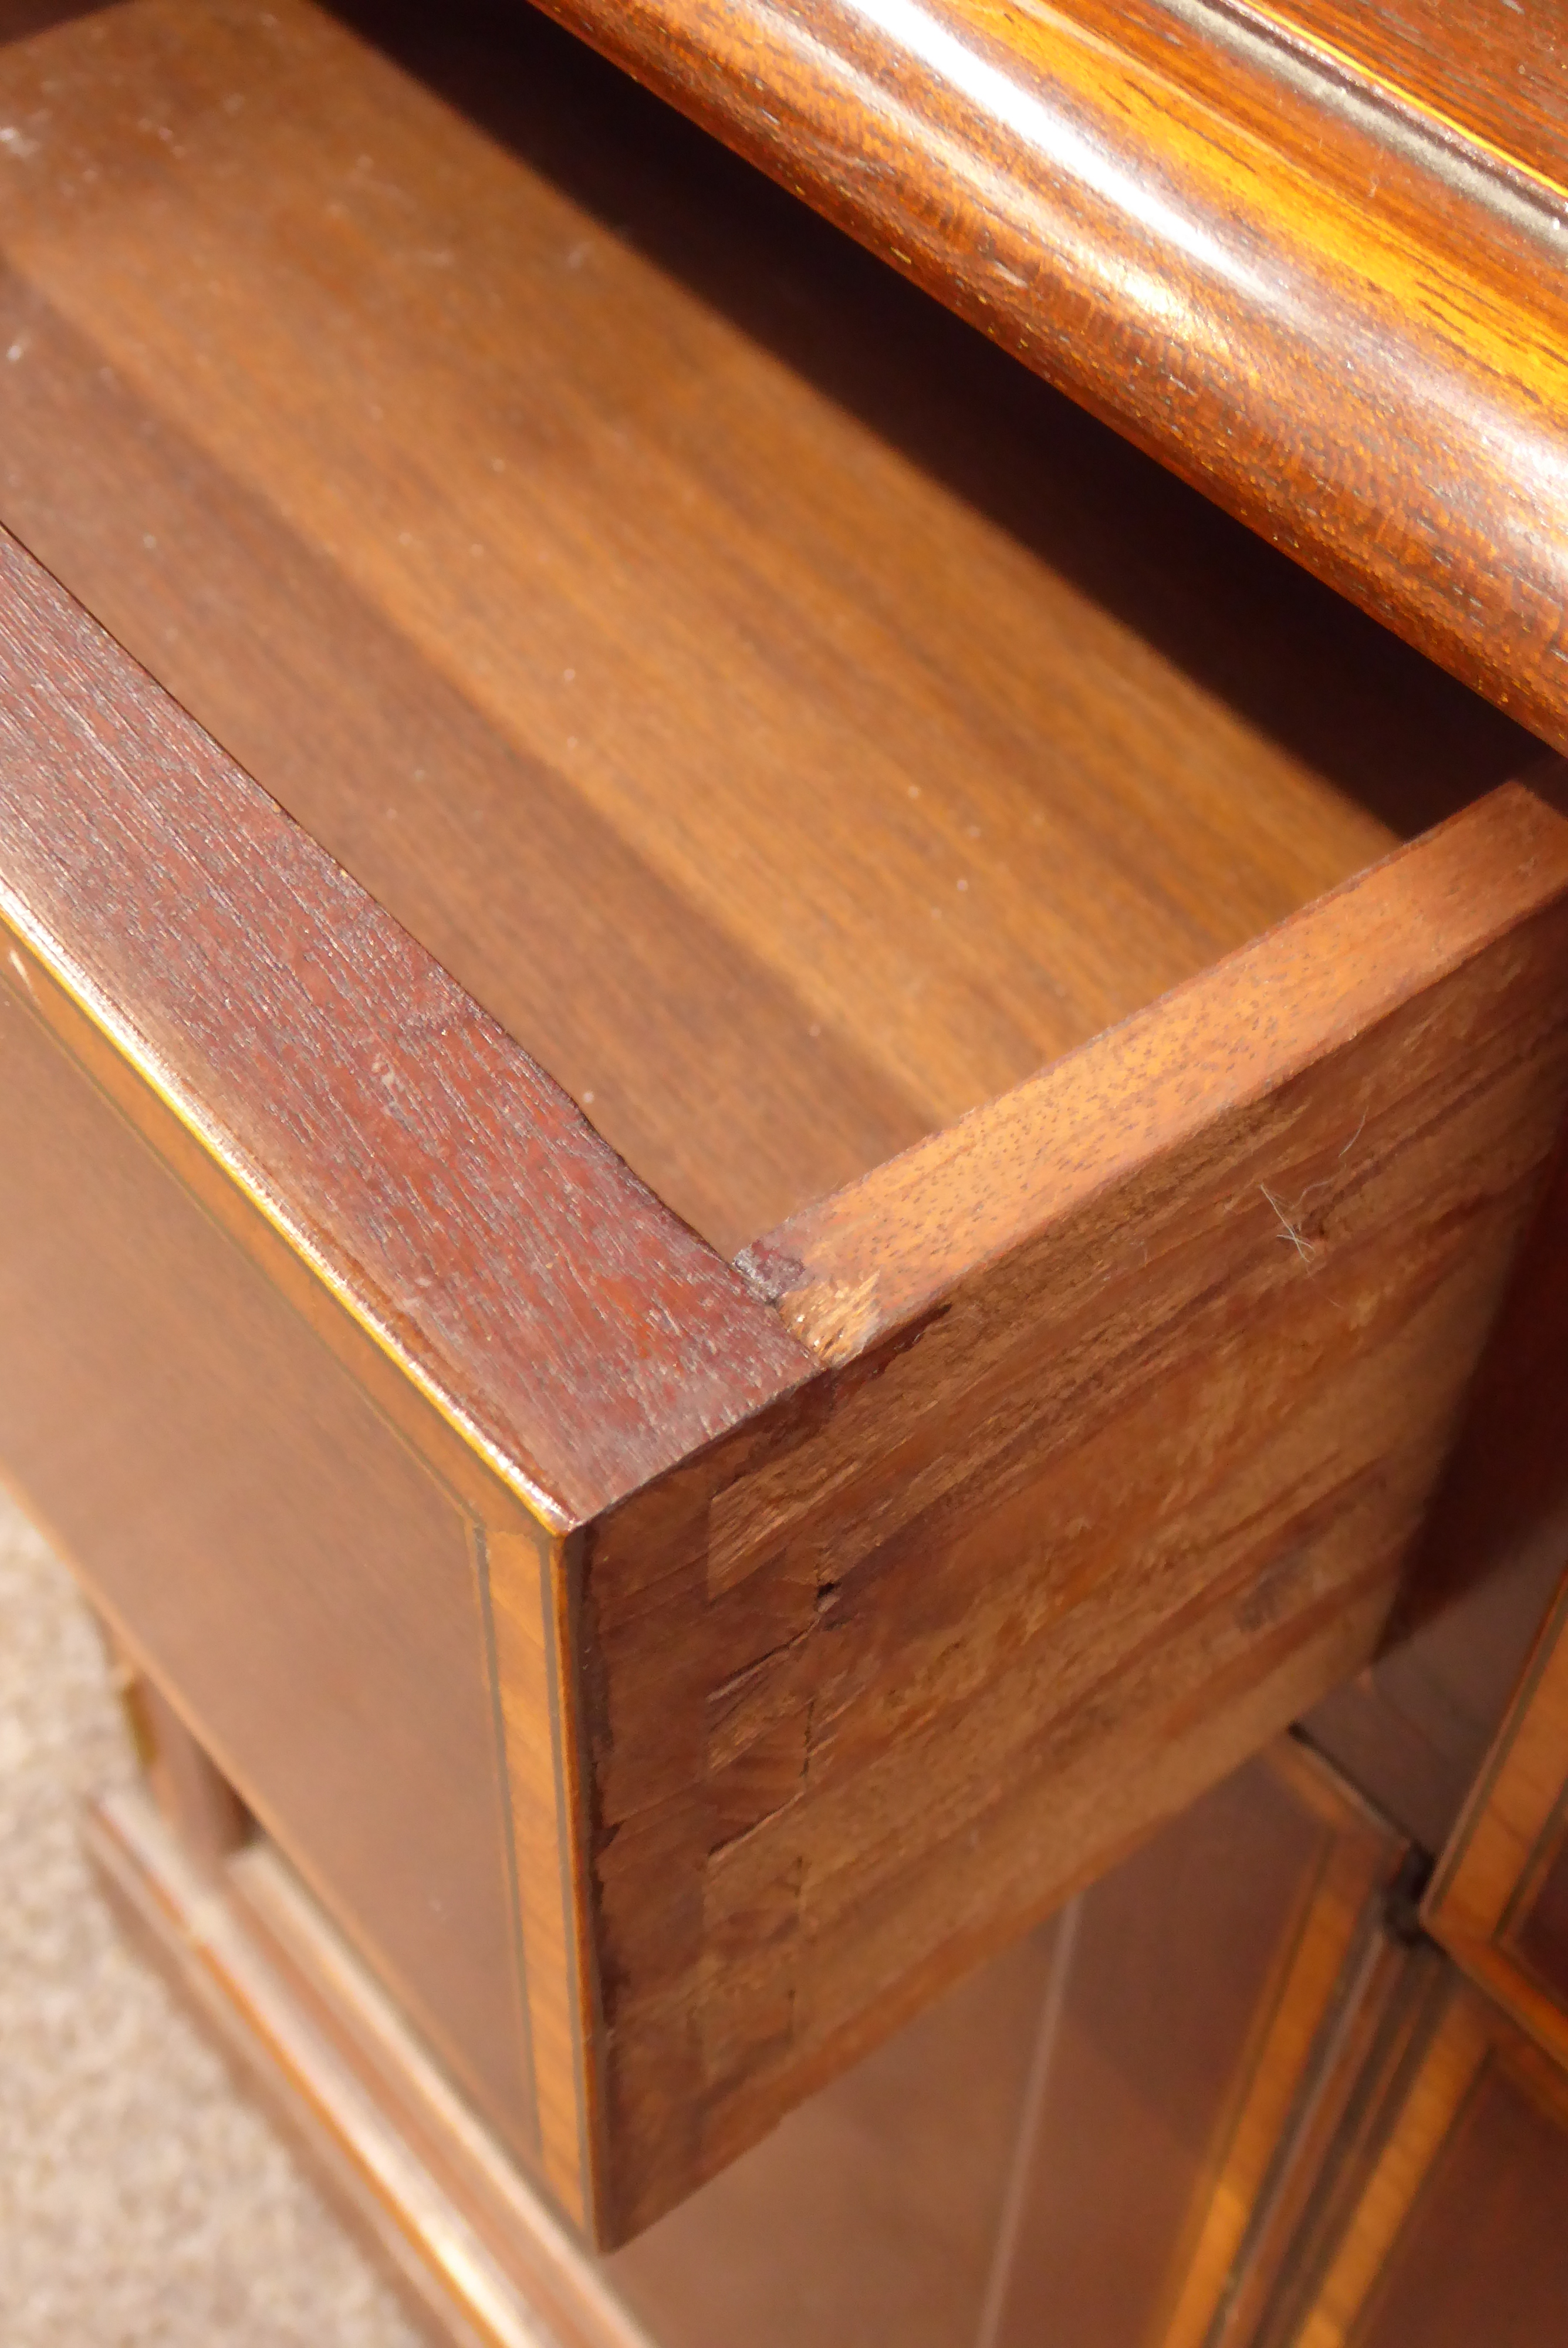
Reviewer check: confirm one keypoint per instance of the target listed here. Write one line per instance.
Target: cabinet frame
(738, 1574)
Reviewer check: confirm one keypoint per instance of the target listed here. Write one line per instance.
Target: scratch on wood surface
(833, 1321)
(1290, 1229)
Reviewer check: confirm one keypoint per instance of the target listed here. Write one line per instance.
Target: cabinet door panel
(1460, 2234)
(1079, 2147)
(1498, 1901)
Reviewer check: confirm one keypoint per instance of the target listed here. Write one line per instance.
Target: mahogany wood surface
(323, 1274)
(1136, 1386)
(1342, 320)
(1497, 67)
(792, 721)
(739, 1679)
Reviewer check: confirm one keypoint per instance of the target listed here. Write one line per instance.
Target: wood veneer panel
(1343, 324)
(265, 1545)
(835, 724)
(1138, 1383)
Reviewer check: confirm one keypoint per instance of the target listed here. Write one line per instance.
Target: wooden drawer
(907, 825)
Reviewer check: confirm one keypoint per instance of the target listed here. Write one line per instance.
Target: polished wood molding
(1281, 267)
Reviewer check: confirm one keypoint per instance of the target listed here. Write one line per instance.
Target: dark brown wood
(274, 1188)
(437, 1182)
(667, 1700)
(834, 726)
(1344, 322)
(1137, 1382)
(1499, 1899)
(1414, 1728)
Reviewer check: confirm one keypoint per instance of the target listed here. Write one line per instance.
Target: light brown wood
(195, 1797)
(1138, 1382)
(835, 724)
(1342, 314)
(1458, 2232)
(738, 1680)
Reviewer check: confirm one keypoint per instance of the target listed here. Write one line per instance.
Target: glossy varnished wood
(738, 1675)
(789, 720)
(1135, 1387)
(1492, 68)
(1344, 322)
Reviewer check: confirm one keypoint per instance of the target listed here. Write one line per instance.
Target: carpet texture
(141, 2201)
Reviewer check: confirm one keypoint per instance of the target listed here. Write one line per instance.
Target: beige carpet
(141, 2201)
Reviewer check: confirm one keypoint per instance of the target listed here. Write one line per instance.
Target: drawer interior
(795, 722)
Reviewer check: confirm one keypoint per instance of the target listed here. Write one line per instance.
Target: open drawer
(688, 1552)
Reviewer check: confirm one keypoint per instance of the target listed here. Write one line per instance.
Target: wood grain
(834, 725)
(1140, 1379)
(1491, 67)
(441, 1185)
(295, 1406)
(1458, 2233)
(1347, 327)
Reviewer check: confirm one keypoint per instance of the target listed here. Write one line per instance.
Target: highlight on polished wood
(1268, 249)
(763, 1116)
